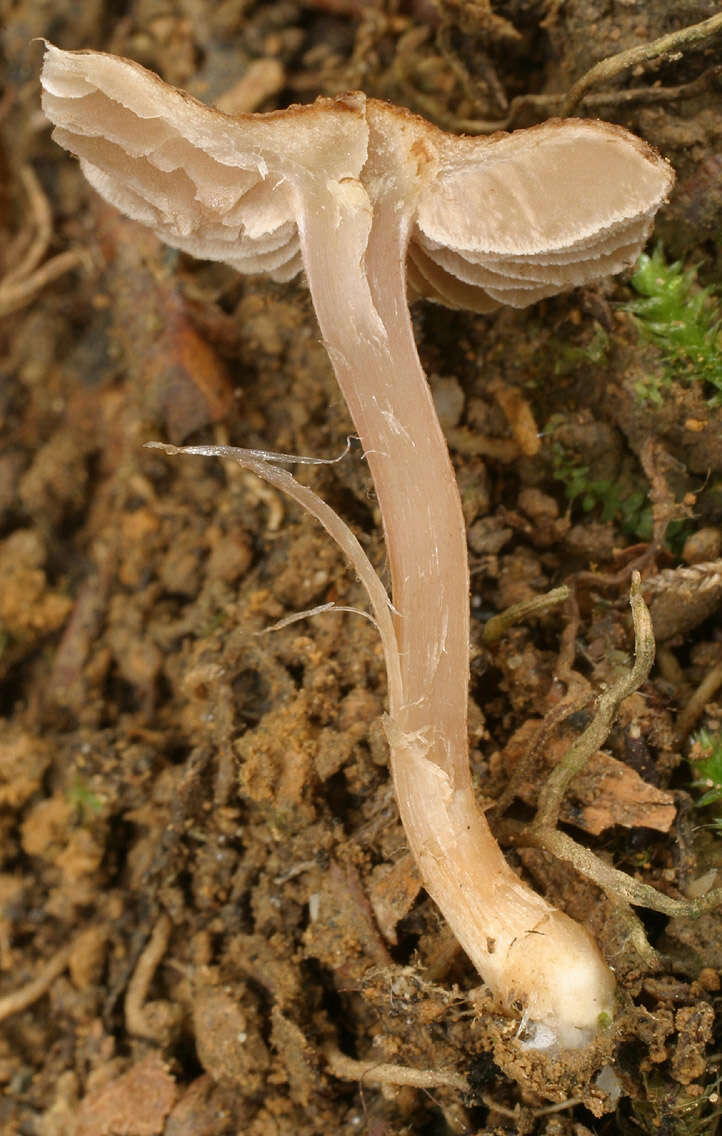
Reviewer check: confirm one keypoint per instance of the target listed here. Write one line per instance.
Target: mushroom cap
(535, 212)
(500, 219)
(218, 186)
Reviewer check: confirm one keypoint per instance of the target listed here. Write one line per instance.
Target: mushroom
(358, 194)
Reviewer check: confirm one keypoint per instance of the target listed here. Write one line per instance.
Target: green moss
(630, 509)
(683, 320)
(628, 505)
(569, 357)
(706, 761)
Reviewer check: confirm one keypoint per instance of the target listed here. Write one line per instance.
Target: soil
(209, 922)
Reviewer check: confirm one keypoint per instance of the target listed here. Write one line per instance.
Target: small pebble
(705, 544)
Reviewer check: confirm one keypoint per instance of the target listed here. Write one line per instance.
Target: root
(138, 1020)
(384, 1073)
(615, 65)
(19, 1000)
(20, 284)
(26, 995)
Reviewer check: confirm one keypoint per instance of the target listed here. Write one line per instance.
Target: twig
(518, 612)
(639, 564)
(543, 833)
(610, 879)
(697, 701)
(522, 769)
(553, 790)
(615, 65)
(618, 883)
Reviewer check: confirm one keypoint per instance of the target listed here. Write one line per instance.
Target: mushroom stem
(370, 342)
(527, 952)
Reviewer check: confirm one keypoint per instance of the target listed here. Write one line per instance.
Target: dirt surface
(209, 921)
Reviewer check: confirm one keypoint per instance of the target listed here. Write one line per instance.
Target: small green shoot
(87, 804)
(706, 761)
(683, 319)
(617, 501)
(631, 511)
(604, 1021)
(570, 357)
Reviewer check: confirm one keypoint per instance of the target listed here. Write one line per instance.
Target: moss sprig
(683, 319)
(706, 761)
(618, 500)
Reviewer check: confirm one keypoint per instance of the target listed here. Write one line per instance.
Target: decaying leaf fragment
(607, 792)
